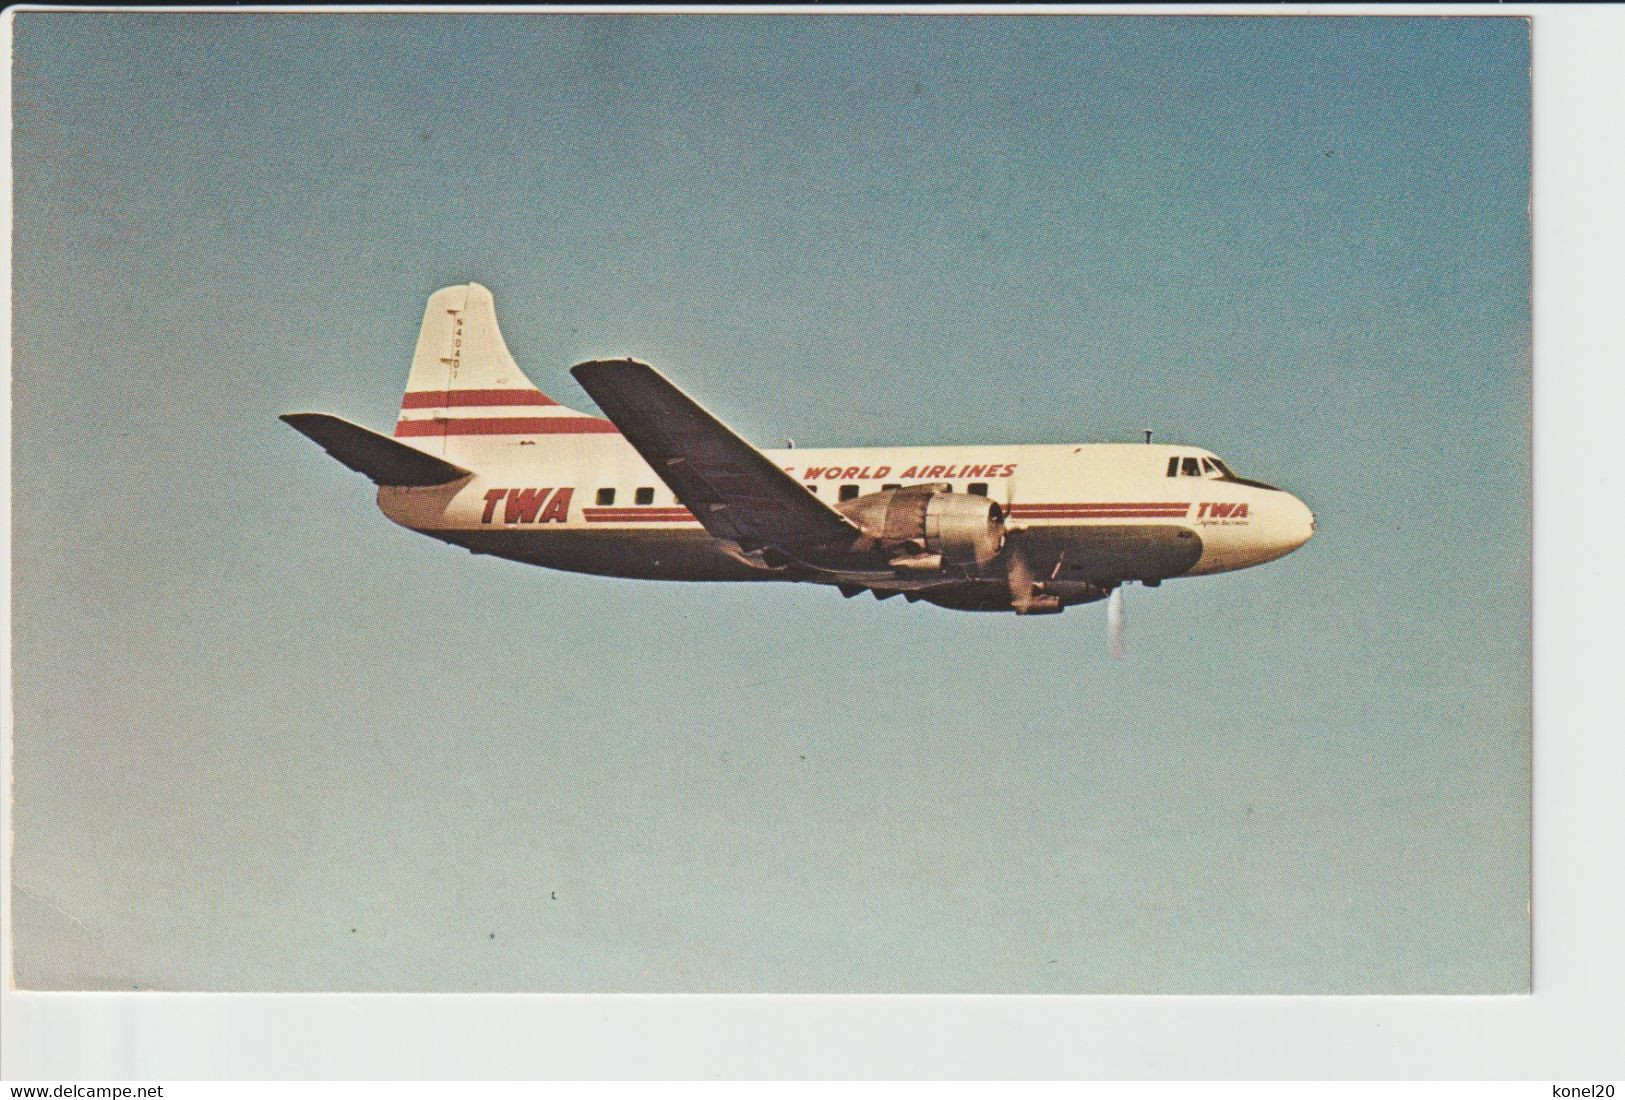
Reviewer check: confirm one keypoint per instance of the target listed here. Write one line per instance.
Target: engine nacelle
(926, 528)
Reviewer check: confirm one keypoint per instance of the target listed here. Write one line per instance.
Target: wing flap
(733, 489)
(386, 461)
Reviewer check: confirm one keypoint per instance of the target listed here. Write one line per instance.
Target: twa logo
(528, 505)
(1216, 510)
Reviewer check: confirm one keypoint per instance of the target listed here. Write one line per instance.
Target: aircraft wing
(734, 490)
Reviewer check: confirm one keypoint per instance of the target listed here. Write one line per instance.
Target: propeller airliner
(659, 488)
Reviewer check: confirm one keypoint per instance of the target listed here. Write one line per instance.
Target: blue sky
(253, 715)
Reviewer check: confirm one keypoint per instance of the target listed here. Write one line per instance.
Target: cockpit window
(1209, 467)
(1226, 474)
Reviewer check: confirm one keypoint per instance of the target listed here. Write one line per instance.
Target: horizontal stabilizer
(385, 460)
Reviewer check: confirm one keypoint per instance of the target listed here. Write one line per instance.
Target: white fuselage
(591, 504)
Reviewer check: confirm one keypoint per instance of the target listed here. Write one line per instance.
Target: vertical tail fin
(466, 397)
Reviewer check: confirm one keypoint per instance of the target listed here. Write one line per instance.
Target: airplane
(659, 488)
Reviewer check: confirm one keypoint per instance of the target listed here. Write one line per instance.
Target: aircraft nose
(1300, 524)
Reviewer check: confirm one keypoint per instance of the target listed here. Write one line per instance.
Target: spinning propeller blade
(1115, 623)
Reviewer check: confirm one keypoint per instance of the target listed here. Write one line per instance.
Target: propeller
(1027, 594)
(1019, 575)
(1115, 623)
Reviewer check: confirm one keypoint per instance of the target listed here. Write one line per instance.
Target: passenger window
(848, 492)
(1189, 468)
(606, 496)
(645, 496)
(893, 485)
(977, 488)
(1173, 466)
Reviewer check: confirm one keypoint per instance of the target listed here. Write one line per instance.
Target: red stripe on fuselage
(1096, 511)
(641, 510)
(1100, 515)
(507, 425)
(1104, 506)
